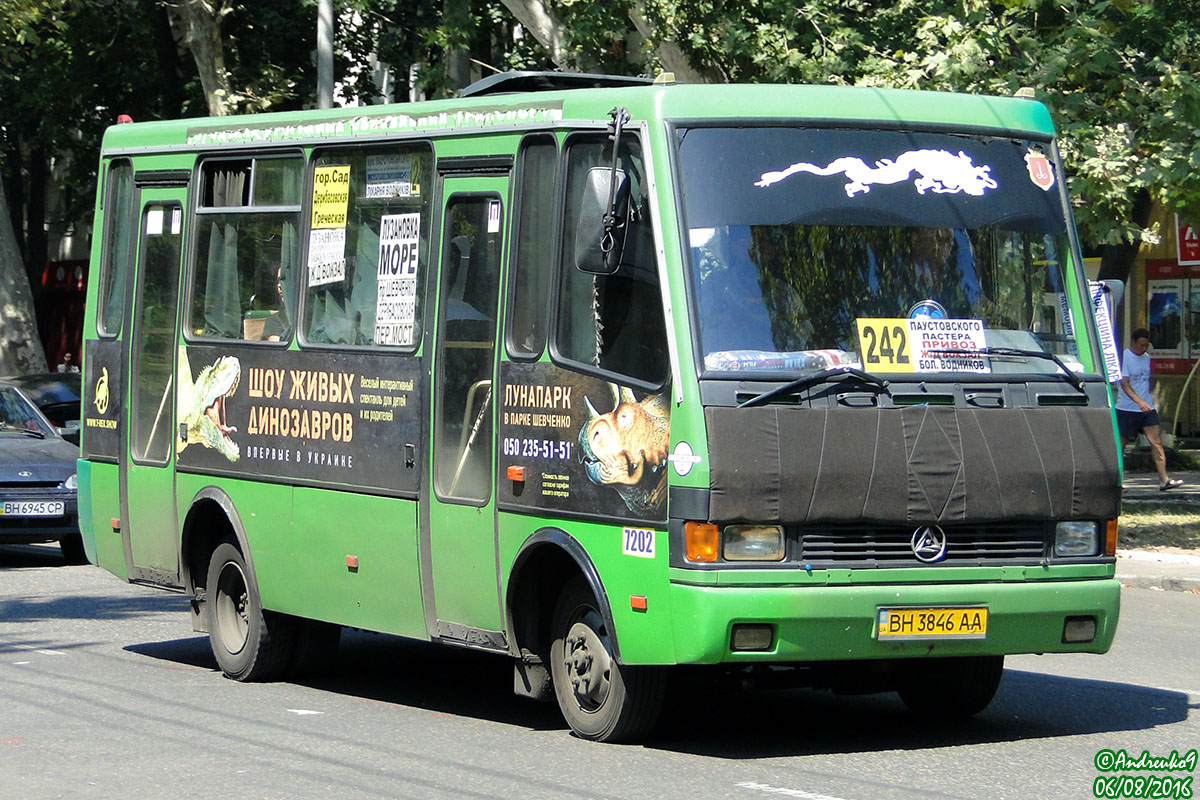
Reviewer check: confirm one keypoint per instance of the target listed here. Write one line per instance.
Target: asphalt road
(106, 693)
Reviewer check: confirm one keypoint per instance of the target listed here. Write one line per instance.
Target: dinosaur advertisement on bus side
(627, 448)
(582, 444)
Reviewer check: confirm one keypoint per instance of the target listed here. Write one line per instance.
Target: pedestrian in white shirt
(1135, 412)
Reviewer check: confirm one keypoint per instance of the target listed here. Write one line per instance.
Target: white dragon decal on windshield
(940, 170)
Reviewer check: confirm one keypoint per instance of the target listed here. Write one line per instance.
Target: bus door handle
(410, 455)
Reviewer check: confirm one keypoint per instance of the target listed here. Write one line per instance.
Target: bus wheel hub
(588, 666)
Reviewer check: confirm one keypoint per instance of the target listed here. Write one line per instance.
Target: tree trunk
(198, 24)
(20, 348)
(170, 85)
(1117, 259)
(36, 244)
(670, 54)
(458, 59)
(537, 18)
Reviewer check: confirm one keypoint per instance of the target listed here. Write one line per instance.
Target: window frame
(188, 294)
(107, 264)
(557, 356)
(555, 247)
(438, 385)
(137, 329)
(431, 195)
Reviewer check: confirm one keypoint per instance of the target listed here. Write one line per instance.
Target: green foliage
(1120, 77)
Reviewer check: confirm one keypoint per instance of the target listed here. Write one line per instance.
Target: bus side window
(367, 288)
(534, 244)
(247, 247)
(120, 229)
(613, 322)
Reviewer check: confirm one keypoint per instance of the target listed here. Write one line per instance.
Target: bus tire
(601, 700)
(950, 688)
(72, 549)
(250, 644)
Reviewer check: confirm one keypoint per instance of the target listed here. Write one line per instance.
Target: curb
(1160, 571)
(1160, 583)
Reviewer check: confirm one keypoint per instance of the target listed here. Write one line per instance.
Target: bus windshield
(886, 250)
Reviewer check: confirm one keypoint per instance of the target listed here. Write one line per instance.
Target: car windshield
(18, 414)
(889, 251)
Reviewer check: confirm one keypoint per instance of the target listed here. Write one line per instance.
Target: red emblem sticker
(1040, 171)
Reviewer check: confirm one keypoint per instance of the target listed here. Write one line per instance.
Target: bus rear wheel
(601, 699)
(950, 688)
(250, 644)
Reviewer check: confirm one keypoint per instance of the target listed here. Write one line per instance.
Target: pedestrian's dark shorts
(1131, 423)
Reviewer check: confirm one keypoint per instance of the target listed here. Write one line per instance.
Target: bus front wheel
(601, 699)
(250, 644)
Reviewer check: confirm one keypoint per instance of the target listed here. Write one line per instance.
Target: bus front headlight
(753, 543)
(1076, 538)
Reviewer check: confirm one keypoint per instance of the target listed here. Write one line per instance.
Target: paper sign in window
(396, 303)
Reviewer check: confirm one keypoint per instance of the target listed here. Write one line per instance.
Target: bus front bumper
(829, 623)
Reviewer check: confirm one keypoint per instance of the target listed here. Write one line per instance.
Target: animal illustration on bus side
(940, 170)
(201, 404)
(626, 448)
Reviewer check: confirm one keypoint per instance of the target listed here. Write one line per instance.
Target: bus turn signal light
(516, 474)
(1110, 538)
(702, 542)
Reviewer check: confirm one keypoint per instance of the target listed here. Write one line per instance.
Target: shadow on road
(745, 724)
(1028, 706)
(89, 606)
(394, 671)
(29, 556)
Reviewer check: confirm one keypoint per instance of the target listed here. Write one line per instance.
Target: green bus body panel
(837, 623)
(153, 537)
(649, 103)
(299, 540)
(99, 503)
(644, 636)
(462, 538)
(870, 577)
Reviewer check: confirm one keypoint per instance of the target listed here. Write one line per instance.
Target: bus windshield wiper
(824, 376)
(1070, 376)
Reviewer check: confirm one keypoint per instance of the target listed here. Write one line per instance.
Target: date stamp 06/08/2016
(1144, 775)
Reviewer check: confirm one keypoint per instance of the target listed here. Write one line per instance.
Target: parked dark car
(38, 488)
(57, 395)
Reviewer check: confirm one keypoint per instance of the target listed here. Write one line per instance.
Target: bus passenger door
(149, 529)
(459, 518)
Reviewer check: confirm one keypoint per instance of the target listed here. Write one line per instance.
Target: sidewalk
(1151, 569)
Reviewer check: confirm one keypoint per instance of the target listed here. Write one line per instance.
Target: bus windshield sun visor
(918, 464)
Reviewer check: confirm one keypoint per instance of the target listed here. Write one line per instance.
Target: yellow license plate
(908, 624)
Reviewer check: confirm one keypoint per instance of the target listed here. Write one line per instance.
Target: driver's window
(613, 323)
(467, 291)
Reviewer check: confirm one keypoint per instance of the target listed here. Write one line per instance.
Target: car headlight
(72, 482)
(1076, 539)
(753, 543)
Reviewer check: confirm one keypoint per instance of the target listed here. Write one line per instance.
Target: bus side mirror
(597, 251)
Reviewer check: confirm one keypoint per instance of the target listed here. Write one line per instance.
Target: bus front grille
(892, 546)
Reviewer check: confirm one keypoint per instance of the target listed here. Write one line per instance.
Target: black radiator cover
(919, 464)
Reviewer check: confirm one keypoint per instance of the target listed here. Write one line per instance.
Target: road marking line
(38, 650)
(786, 792)
(303, 712)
